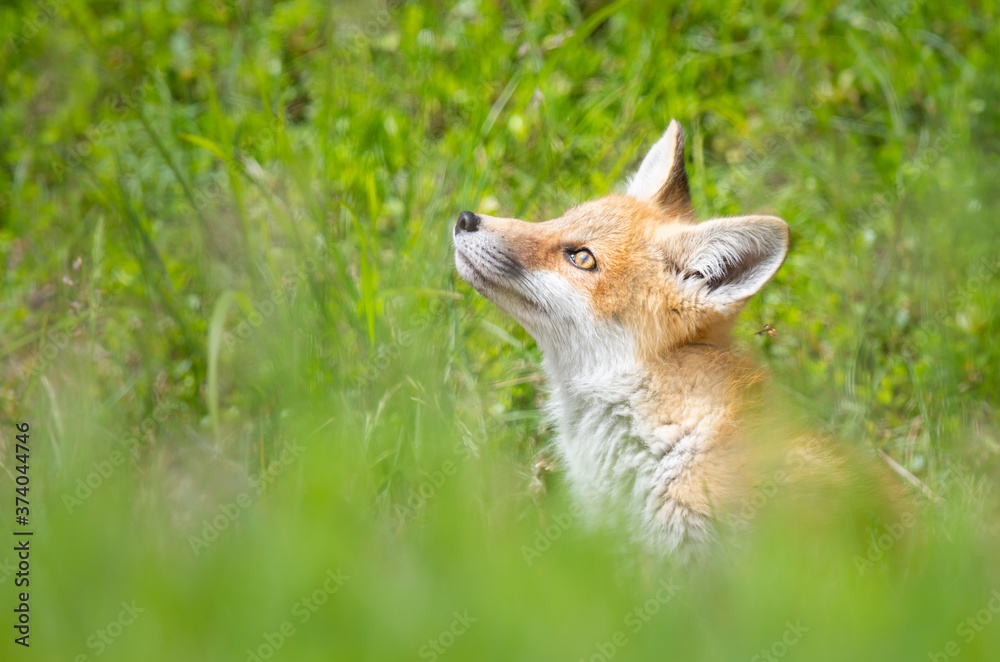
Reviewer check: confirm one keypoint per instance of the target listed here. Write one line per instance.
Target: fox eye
(582, 259)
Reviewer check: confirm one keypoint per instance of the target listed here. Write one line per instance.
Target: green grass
(228, 293)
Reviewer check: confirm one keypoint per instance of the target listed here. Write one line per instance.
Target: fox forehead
(616, 225)
(616, 217)
(612, 215)
(624, 234)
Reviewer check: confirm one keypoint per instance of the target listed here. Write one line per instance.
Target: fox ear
(661, 177)
(727, 260)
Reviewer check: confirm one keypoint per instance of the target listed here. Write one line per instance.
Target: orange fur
(652, 403)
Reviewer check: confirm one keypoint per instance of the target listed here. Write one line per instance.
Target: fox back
(631, 301)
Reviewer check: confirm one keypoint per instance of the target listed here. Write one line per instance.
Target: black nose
(467, 222)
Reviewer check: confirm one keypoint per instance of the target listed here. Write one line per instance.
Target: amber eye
(582, 259)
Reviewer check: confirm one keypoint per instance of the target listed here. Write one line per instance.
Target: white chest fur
(622, 456)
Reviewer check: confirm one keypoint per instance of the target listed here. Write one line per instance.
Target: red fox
(631, 301)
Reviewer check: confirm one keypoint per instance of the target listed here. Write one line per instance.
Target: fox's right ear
(661, 177)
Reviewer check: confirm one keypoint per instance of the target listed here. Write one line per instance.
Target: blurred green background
(268, 421)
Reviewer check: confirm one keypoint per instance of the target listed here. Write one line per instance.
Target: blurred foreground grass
(268, 418)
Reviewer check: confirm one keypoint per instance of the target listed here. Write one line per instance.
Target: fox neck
(647, 439)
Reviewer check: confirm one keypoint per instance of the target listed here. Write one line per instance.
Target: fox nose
(467, 222)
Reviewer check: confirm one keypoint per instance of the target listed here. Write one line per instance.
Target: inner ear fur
(727, 260)
(662, 177)
(674, 195)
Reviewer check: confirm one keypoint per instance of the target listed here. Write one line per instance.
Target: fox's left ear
(661, 177)
(725, 261)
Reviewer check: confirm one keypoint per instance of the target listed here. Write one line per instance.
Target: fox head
(625, 278)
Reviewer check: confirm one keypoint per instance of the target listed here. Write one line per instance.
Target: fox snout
(467, 222)
(484, 253)
(488, 257)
